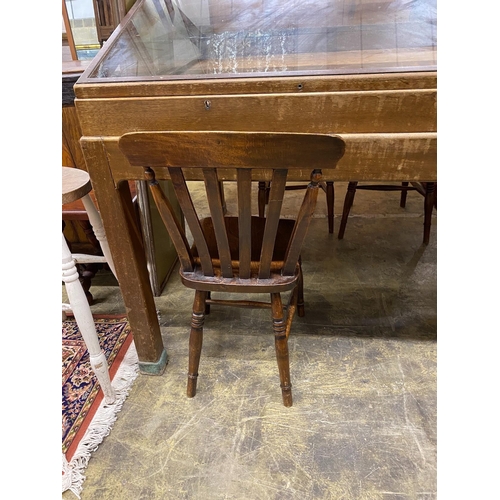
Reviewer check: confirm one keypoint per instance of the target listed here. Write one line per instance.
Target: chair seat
(198, 281)
(75, 184)
(75, 210)
(275, 284)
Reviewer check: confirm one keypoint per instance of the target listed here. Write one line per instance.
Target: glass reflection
(203, 38)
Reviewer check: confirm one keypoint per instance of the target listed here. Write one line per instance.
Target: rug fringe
(101, 425)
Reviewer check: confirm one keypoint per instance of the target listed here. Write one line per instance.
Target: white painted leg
(96, 223)
(85, 322)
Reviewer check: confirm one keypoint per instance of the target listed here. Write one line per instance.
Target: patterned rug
(86, 419)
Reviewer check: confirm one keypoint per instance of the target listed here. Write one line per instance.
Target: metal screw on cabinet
(207, 104)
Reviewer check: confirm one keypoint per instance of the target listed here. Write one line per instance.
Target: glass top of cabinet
(200, 39)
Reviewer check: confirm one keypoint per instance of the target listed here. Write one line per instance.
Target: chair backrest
(270, 155)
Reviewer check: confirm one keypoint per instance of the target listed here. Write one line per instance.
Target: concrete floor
(363, 367)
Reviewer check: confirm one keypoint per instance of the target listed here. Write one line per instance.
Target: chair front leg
(349, 200)
(428, 206)
(196, 340)
(281, 346)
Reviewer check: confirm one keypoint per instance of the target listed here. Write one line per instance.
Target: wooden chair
(427, 189)
(108, 14)
(327, 187)
(243, 254)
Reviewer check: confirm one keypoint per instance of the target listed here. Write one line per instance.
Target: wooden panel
(389, 157)
(227, 86)
(369, 157)
(336, 112)
(72, 155)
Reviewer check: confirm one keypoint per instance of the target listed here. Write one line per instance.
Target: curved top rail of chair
(75, 184)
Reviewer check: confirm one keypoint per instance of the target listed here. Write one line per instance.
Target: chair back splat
(243, 253)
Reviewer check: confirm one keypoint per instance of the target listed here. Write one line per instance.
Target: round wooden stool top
(75, 184)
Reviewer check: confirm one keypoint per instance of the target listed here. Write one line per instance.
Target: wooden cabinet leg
(129, 259)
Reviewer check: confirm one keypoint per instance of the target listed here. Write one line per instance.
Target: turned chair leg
(330, 198)
(281, 346)
(404, 192)
(196, 340)
(85, 322)
(349, 200)
(428, 206)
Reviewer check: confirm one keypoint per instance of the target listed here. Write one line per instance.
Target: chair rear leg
(330, 198)
(281, 346)
(404, 192)
(428, 206)
(349, 200)
(196, 341)
(300, 293)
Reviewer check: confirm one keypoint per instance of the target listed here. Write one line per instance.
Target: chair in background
(243, 254)
(427, 189)
(108, 14)
(327, 187)
(75, 186)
